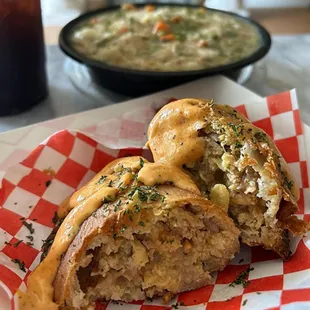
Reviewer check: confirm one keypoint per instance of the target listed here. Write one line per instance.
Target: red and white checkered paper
(76, 158)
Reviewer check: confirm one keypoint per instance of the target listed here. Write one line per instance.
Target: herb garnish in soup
(165, 38)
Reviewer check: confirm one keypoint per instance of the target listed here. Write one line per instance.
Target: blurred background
(71, 90)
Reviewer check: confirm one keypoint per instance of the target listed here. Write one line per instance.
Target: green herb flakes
(28, 226)
(30, 238)
(155, 196)
(16, 244)
(20, 264)
(101, 180)
(289, 184)
(142, 195)
(244, 302)
(242, 278)
(141, 162)
(55, 218)
(237, 128)
(260, 136)
(238, 145)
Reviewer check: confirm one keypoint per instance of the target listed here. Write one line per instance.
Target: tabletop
(279, 71)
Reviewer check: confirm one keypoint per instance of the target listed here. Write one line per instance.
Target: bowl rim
(66, 47)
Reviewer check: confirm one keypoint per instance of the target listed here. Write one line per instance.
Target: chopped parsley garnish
(55, 218)
(48, 183)
(242, 278)
(288, 183)
(114, 236)
(29, 243)
(28, 226)
(16, 244)
(237, 128)
(137, 209)
(142, 195)
(142, 223)
(154, 196)
(141, 162)
(121, 187)
(240, 261)
(30, 238)
(123, 228)
(101, 180)
(20, 264)
(175, 306)
(145, 193)
(238, 145)
(260, 136)
(110, 183)
(116, 206)
(244, 302)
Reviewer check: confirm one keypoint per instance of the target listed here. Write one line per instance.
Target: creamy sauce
(165, 38)
(40, 283)
(96, 183)
(153, 174)
(173, 132)
(40, 291)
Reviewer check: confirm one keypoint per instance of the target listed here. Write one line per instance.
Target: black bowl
(135, 82)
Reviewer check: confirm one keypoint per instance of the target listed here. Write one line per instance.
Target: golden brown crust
(198, 114)
(230, 145)
(109, 221)
(100, 224)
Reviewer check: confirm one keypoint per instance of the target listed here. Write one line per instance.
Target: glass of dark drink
(22, 56)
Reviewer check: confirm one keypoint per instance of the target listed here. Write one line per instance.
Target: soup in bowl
(165, 38)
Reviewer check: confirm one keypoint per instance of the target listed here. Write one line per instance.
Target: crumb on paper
(167, 297)
(50, 172)
(20, 264)
(28, 226)
(48, 183)
(16, 244)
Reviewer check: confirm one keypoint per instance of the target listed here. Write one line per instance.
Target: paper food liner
(33, 189)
